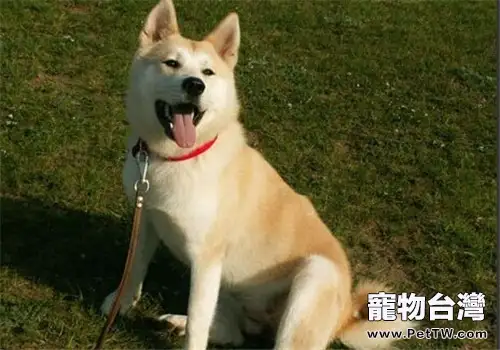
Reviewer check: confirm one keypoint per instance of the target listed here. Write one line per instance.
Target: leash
(140, 152)
(141, 186)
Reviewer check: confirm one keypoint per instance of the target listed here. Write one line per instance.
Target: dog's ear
(160, 23)
(226, 39)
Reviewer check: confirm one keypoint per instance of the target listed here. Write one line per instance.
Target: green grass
(381, 112)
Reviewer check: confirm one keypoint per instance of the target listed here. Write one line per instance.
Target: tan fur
(230, 216)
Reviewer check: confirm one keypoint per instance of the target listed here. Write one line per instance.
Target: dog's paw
(219, 334)
(176, 322)
(126, 303)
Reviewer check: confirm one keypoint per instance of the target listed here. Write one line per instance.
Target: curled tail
(356, 328)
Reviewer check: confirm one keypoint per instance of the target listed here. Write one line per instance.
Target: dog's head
(182, 92)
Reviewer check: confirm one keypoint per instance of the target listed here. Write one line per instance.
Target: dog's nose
(193, 86)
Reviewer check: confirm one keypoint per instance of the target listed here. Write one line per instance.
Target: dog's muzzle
(165, 113)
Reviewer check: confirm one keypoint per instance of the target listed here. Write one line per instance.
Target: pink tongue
(184, 130)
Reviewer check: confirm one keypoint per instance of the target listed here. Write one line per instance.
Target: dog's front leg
(206, 272)
(146, 247)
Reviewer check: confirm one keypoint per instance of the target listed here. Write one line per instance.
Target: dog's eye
(208, 71)
(172, 63)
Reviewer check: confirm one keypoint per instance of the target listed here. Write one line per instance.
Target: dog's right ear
(160, 23)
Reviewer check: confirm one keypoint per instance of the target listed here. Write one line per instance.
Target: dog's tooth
(171, 125)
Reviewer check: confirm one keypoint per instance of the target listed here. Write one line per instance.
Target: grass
(381, 112)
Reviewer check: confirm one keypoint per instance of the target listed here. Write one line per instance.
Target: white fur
(204, 292)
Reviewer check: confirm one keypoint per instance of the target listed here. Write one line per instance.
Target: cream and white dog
(259, 255)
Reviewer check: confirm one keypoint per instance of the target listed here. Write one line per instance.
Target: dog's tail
(358, 332)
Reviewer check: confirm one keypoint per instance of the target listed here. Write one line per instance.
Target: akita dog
(259, 255)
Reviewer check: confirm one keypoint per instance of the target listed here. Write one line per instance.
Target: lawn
(381, 112)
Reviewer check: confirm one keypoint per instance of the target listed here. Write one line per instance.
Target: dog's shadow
(82, 255)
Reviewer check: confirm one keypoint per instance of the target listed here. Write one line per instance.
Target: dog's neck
(142, 145)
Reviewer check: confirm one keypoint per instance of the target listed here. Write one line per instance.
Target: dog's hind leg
(314, 306)
(146, 247)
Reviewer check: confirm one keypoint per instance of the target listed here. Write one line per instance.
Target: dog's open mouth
(179, 121)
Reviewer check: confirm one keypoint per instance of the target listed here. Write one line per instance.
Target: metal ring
(141, 185)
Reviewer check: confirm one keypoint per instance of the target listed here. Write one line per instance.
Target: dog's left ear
(226, 39)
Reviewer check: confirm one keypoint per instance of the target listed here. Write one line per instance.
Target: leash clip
(142, 159)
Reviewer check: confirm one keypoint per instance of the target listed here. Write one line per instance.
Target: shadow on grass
(82, 255)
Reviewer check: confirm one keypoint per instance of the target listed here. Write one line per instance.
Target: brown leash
(141, 187)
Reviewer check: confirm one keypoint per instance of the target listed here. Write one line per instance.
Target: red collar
(194, 153)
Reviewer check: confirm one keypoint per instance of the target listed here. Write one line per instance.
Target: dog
(259, 255)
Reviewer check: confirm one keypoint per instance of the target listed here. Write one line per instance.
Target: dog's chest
(182, 202)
